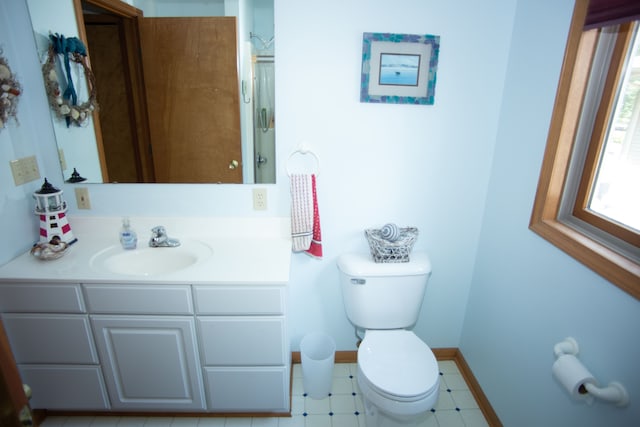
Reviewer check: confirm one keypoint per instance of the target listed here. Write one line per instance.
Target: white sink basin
(146, 261)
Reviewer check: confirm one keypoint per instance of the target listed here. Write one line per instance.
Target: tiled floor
(456, 407)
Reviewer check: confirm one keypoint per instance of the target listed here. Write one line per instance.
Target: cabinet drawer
(50, 338)
(247, 389)
(251, 300)
(236, 341)
(139, 299)
(65, 387)
(41, 298)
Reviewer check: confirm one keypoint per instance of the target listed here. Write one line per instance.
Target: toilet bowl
(398, 376)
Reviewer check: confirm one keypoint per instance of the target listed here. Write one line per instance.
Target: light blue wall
(463, 171)
(19, 225)
(426, 166)
(526, 295)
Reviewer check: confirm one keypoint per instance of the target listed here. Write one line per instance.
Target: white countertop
(244, 251)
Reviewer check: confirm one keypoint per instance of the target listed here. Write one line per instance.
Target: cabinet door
(149, 362)
(65, 387)
(258, 389)
(242, 341)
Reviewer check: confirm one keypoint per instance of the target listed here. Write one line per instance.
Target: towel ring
(304, 152)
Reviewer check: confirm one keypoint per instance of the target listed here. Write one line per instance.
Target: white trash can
(317, 352)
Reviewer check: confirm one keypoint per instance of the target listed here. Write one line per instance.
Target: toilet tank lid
(358, 264)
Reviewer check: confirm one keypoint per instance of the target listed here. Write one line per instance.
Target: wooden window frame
(619, 269)
(606, 108)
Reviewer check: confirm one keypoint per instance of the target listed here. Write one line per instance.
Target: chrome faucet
(159, 238)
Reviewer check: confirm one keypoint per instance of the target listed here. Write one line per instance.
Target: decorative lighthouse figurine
(52, 211)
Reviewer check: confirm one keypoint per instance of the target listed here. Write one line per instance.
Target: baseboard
(474, 386)
(449, 353)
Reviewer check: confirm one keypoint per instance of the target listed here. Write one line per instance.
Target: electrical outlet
(259, 199)
(82, 198)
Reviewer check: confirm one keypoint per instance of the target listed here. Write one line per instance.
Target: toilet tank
(383, 295)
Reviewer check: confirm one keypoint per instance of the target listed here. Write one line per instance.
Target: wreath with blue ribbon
(65, 103)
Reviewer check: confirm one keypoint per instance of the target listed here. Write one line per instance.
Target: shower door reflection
(264, 130)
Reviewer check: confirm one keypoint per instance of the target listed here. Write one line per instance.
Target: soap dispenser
(128, 237)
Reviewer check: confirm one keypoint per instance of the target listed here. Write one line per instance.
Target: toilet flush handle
(357, 281)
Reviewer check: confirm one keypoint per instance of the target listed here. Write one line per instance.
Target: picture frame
(399, 68)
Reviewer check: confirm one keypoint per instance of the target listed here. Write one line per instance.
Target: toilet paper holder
(614, 393)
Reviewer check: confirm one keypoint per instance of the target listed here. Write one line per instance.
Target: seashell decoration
(5, 72)
(10, 89)
(53, 249)
(63, 108)
(390, 232)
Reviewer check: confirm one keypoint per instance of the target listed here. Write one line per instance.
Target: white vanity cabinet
(244, 347)
(150, 347)
(145, 335)
(209, 334)
(50, 336)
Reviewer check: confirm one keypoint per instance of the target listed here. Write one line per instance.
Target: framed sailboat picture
(399, 68)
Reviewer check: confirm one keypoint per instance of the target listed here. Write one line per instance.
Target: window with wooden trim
(609, 190)
(588, 198)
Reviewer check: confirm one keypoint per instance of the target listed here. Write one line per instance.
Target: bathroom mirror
(103, 158)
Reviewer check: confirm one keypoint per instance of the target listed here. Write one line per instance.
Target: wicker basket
(384, 251)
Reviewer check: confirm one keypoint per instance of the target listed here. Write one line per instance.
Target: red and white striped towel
(305, 217)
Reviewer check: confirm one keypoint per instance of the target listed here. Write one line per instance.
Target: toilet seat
(398, 365)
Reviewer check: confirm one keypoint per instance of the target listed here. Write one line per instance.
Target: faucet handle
(158, 230)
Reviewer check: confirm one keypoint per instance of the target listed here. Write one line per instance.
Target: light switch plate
(24, 170)
(31, 171)
(63, 161)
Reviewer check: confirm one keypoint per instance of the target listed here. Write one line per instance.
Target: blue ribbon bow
(64, 46)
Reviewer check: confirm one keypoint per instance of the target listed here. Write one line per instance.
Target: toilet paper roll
(572, 376)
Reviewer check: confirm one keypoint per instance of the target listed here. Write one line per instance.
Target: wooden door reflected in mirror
(191, 80)
(183, 124)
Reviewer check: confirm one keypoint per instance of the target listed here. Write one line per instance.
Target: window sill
(614, 267)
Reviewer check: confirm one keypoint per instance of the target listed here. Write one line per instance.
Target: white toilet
(397, 372)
